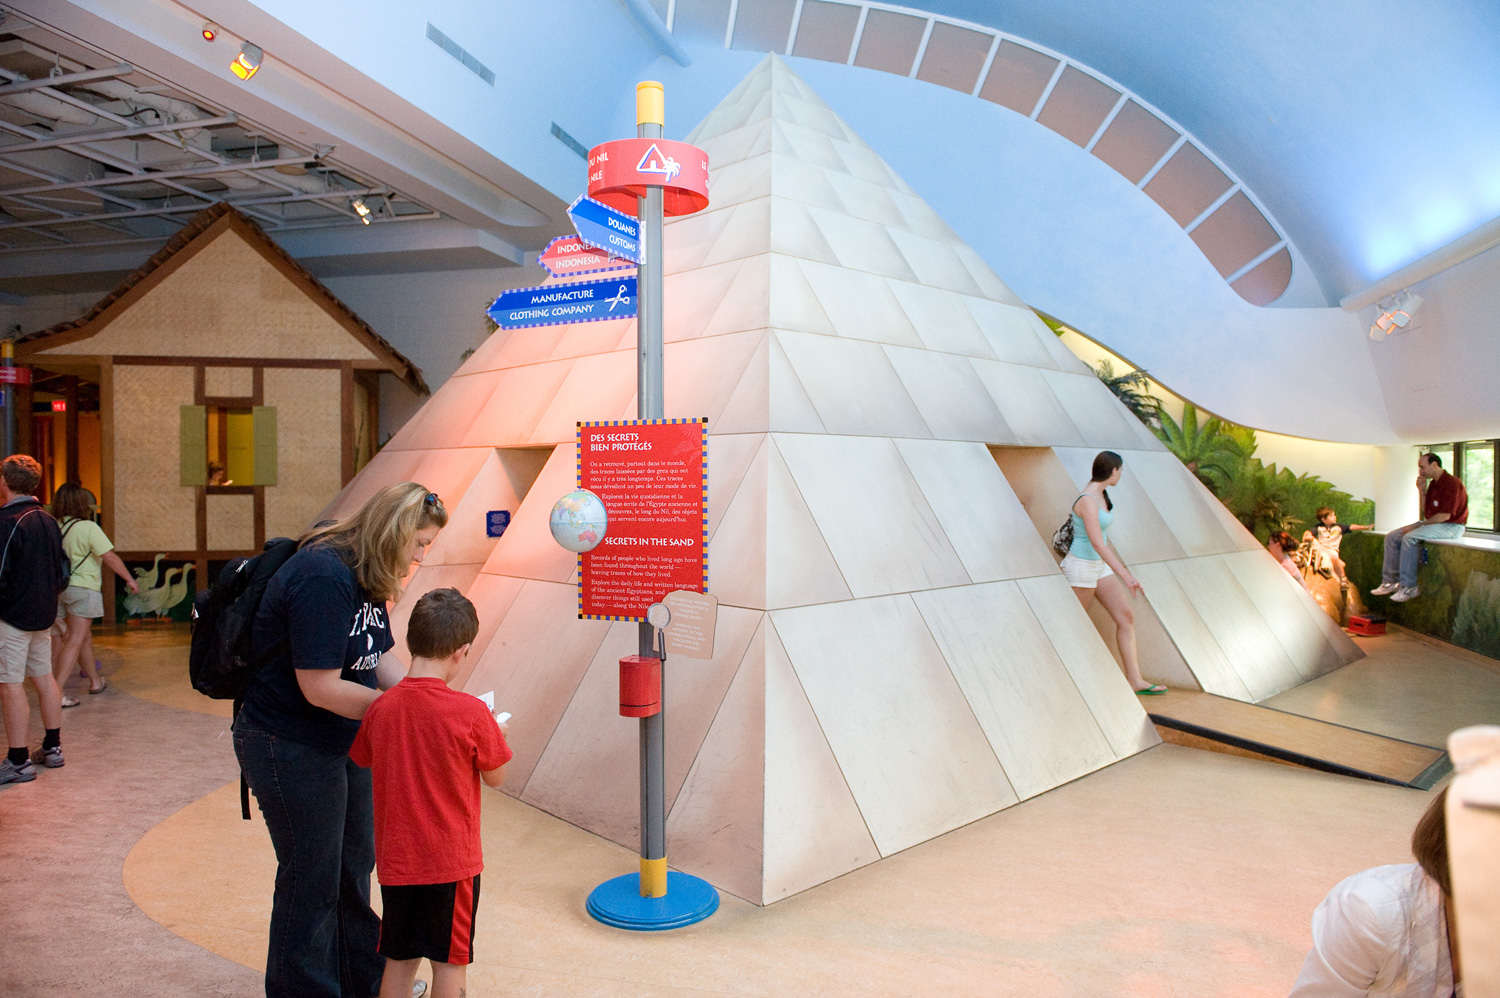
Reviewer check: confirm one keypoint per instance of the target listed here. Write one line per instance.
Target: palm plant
(1213, 451)
(1133, 389)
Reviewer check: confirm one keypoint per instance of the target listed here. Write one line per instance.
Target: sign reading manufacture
(652, 476)
(552, 304)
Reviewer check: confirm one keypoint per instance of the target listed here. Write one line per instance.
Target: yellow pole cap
(7, 349)
(650, 104)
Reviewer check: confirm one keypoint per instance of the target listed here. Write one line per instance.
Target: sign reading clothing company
(652, 476)
(603, 227)
(552, 304)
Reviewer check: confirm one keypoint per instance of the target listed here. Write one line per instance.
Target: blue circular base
(618, 902)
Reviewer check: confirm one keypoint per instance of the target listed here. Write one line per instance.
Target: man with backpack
(32, 575)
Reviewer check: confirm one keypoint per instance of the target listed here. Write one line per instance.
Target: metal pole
(8, 411)
(650, 118)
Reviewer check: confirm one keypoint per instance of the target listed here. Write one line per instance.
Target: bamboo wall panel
(228, 382)
(227, 301)
(152, 511)
(308, 446)
(231, 523)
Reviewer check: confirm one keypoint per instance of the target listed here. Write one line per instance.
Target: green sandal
(1151, 691)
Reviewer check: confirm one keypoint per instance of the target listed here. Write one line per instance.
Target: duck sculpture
(146, 580)
(151, 600)
(176, 591)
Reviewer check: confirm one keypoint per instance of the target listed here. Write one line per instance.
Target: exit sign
(59, 405)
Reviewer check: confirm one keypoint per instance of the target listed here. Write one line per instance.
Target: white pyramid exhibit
(893, 435)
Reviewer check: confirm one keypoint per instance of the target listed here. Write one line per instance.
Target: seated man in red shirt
(429, 747)
(1445, 509)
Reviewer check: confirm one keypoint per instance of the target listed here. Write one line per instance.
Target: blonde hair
(378, 535)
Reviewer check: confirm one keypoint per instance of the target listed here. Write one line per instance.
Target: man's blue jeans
(1401, 556)
(320, 810)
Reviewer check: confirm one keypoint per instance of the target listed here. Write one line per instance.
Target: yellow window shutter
(263, 419)
(193, 444)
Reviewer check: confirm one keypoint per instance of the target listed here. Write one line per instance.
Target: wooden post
(70, 423)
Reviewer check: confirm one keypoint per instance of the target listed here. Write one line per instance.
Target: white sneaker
(1405, 593)
(418, 989)
(1385, 589)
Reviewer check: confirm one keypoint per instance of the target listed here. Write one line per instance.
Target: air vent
(472, 64)
(568, 140)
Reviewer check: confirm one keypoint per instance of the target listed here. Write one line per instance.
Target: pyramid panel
(746, 233)
(1183, 501)
(795, 234)
(516, 403)
(1114, 705)
(862, 246)
(995, 543)
(800, 567)
(695, 296)
(1025, 399)
(1211, 667)
(949, 396)
(870, 510)
(1093, 408)
(746, 303)
(421, 582)
(527, 550)
(590, 767)
(942, 320)
(905, 738)
(794, 305)
(737, 549)
(717, 823)
(799, 181)
(1238, 627)
(503, 478)
(790, 408)
(813, 827)
(1020, 692)
(492, 596)
(860, 306)
(852, 386)
(748, 408)
(1008, 332)
(1293, 617)
(729, 458)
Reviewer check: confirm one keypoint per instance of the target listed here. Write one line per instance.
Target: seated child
(429, 747)
(1325, 537)
(1281, 547)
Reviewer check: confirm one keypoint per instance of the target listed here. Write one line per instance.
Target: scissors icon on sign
(620, 298)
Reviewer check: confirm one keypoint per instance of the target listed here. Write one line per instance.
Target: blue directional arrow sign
(602, 227)
(554, 304)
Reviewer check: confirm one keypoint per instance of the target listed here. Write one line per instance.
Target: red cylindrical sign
(640, 686)
(620, 172)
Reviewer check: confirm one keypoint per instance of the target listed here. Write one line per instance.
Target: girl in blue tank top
(1093, 568)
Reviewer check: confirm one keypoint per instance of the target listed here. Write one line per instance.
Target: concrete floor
(1176, 872)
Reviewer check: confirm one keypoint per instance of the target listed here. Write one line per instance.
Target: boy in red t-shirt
(429, 747)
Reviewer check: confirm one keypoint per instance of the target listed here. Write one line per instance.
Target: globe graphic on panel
(578, 521)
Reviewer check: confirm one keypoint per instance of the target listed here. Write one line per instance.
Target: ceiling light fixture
(210, 31)
(247, 63)
(1394, 315)
(361, 209)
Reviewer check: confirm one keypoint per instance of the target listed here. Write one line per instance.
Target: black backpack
(220, 662)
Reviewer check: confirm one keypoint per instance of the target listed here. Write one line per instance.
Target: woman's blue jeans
(319, 808)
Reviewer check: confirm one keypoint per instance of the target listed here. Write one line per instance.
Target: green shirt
(85, 545)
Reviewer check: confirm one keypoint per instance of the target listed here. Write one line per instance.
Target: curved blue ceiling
(1370, 129)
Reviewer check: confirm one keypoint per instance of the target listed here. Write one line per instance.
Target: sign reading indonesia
(553, 304)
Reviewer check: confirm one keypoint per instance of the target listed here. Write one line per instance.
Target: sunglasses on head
(433, 500)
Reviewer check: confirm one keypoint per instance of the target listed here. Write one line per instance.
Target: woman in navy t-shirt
(325, 625)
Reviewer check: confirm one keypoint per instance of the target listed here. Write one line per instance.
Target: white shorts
(24, 653)
(1084, 573)
(76, 601)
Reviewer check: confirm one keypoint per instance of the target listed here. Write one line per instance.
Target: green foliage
(1267, 499)
(1133, 389)
(1211, 451)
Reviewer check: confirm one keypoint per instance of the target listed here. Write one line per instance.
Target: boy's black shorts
(431, 920)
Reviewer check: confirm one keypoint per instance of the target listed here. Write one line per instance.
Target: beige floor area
(1176, 872)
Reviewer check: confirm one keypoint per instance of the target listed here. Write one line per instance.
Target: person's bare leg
(1085, 596)
(86, 653)
(449, 980)
(399, 977)
(1338, 568)
(1116, 599)
(72, 641)
(49, 699)
(17, 713)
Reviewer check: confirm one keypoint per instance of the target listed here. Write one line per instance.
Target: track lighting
(247, 63)
(361, 209)
(1394, 315)
(210, 31)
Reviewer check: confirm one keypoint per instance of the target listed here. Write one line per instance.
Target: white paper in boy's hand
(489, 700)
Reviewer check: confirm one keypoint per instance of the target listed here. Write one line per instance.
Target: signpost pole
(650, 117)
(8, 409)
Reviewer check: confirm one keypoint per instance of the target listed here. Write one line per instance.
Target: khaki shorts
(79, 601)
(1084, 573)
(24, 653)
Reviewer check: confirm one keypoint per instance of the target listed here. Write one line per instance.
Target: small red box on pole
(1367, 626)
(640, 686)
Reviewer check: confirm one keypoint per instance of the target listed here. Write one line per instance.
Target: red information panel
(652, 476)
(620, 171)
